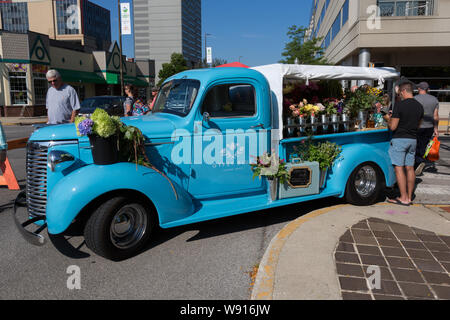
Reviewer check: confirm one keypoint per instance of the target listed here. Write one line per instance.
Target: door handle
(257, 126)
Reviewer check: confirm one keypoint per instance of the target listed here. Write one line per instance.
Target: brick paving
(413, 263)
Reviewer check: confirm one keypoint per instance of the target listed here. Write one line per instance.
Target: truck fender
(352, 156)
(76, 190)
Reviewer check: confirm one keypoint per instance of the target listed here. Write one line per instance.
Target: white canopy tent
(275, 73)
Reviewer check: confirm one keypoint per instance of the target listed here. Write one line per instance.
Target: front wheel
(118, 228)
(364, 185)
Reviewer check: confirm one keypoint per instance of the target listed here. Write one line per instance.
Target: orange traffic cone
(8, 178)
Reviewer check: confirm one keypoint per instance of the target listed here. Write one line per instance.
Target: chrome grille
(36, 189)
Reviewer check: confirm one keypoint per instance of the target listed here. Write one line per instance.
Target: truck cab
(206, 129)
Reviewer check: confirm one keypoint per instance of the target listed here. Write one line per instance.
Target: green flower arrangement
(325, 153)
(363, 98)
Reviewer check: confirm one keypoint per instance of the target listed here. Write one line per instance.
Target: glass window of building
(14, 16)
(18, 88)
(400, 8)
(67, 15)
(40, 87)
(336, 27)
(345, 12)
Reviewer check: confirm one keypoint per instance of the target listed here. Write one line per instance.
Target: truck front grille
(36, 188)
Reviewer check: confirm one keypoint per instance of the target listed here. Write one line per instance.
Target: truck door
(232, 128)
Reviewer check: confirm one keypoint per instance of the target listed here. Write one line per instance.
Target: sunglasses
(53, 81)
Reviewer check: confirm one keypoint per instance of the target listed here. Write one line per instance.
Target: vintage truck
(205, 129)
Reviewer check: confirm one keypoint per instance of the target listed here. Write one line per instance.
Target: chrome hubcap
(128, 226)
(366, 181)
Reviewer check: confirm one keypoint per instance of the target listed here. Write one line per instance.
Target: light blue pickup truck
(206, 128)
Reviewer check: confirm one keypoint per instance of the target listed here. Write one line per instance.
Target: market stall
(289, 116)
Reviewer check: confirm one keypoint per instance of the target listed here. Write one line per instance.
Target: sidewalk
(22, 121)
(326, 255)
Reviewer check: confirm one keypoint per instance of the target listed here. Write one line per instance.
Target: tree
(306, 51)
(216, 62)
(177, 64)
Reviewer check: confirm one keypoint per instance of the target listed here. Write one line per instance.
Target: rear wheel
(119, 228)
(364, 185)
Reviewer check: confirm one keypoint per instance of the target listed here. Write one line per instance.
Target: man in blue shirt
(62, 100)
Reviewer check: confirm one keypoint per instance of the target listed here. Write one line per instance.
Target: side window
(230, 100)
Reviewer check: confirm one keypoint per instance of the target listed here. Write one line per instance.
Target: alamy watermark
(374, 280)
(214, 147)
(373, 20)
(74, 280)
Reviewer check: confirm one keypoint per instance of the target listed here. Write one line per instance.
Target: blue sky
(252, 30)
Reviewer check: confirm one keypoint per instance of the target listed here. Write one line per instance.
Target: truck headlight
(56, 157)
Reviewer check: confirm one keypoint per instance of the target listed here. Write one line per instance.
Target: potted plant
(325, 153)
(103, 132)
(274, 169)
(360, 100)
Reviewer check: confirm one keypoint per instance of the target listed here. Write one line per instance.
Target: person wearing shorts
(404, 122)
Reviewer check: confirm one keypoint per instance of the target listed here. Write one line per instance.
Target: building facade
(162, 27)
(412, 36)
(78, 21)
(25, 59)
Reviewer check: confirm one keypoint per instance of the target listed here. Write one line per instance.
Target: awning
(233, 64)
(275, 73)
(114, 78)
(80, 76)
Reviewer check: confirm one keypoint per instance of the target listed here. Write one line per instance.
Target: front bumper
(32, 237)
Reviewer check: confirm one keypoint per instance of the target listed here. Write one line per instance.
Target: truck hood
(152, 126)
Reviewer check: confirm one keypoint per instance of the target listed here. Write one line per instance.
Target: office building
(162, 27)
(412, 36)
(77, 21)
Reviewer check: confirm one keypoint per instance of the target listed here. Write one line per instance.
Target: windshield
(177, 96)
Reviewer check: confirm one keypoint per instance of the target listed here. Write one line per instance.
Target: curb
(264, 283)
(265, 278)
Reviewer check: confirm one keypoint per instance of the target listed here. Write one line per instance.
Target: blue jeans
(403, 152)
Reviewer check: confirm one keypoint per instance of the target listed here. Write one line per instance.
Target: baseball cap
(423, 85)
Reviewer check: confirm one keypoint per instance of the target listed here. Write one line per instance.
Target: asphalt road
(210, 260)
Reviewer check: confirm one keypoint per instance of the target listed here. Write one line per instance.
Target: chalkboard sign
(300, 177)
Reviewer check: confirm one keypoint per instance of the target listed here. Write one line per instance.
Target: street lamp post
(120, 47)
(206, 34)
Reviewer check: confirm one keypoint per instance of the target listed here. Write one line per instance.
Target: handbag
(432, 151)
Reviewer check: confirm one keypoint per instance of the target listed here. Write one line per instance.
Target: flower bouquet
(306, 112)
(274, 169)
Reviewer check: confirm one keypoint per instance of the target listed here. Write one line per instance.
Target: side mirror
(206, 117)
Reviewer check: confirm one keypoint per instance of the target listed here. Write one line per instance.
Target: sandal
(397, 201)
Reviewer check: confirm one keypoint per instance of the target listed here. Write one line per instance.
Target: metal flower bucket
(346, 124)
(335, 120)
(325, 119)
(302, 124)
(314, 122)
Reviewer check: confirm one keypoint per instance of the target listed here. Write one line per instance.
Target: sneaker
(420, 168)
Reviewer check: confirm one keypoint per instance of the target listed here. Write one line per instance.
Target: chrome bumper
(32, 237)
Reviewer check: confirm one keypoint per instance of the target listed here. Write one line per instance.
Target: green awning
(114, 78)
(80, 76)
